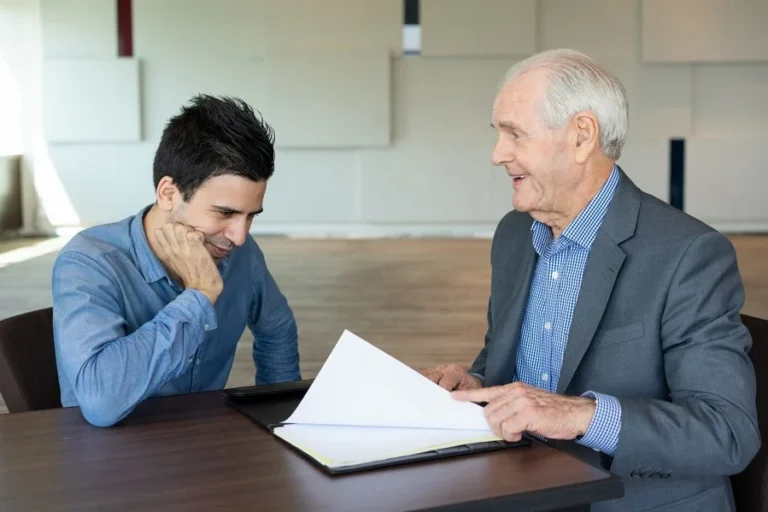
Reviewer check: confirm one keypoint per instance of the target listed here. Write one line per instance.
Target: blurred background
(379, 214)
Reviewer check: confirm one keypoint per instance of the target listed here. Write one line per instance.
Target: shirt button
(545, 377)
(206, 327)
(197, 362)
(548, 326)
(191, 358)
(555, 274)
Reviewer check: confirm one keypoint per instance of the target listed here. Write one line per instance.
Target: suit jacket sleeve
(478, 367)
(709, 424)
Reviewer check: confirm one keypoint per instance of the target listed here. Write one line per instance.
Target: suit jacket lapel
(600, 273)
(508, 318)
(603, 265)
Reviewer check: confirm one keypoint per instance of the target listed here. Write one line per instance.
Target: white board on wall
(705, 30)
(446, 99)
(434, 183)
(334, 24)
(170, 84)
(199, 29)
(105, 182)
(79, 29)
(725, 181)
(91, 100)
(660, 96)
(334, 99)
(599, 28)
(454, 28)
(645, 160)
(311, 187)
(730, 100)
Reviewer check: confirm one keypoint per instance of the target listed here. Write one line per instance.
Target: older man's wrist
(603, 433)
(587, 409)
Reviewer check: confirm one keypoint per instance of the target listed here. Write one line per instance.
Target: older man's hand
(452, 377)
(516, 408)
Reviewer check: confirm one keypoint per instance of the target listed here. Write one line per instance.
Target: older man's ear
(586, 136)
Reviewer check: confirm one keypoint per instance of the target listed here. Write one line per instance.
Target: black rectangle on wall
(411, 9)
(677, 173)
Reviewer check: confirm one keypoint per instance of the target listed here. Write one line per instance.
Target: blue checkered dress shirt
(554, 291)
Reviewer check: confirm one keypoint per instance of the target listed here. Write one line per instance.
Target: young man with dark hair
(156, 303)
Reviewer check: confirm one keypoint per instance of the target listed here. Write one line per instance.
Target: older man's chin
(520, 204)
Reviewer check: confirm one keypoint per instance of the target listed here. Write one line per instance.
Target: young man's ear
(167, 194)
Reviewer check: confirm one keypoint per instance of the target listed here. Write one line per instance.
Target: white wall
(21, 114)
(79, 29)
(413, 155)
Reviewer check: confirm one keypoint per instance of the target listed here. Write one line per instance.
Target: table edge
(570, 495)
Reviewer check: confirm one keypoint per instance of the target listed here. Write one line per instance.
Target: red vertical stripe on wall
(125, 28)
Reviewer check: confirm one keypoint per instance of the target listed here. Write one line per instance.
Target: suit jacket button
(634, 474)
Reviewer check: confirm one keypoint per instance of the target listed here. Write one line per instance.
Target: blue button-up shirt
(552, 300)
(125, 331)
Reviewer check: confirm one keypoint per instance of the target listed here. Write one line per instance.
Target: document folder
(365, 410)
(270, 405)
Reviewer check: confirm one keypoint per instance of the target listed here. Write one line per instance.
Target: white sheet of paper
(360, 385)
(337, 446)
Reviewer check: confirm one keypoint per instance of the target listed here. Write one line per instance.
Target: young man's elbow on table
(102, 409)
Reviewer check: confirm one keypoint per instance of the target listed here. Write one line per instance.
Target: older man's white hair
(577, 83)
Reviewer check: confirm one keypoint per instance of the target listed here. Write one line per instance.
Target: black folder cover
(270, 405)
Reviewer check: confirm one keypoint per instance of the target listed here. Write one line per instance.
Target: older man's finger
(502, 402)
(512, 428)
(450, 380)
(432, 374)
(495, 419)
(478, 395)
(469, 382)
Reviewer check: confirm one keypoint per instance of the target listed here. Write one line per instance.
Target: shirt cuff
(603, 431)
(206, 321)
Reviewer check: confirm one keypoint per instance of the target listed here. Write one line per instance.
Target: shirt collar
(149, 264)
(583, 229)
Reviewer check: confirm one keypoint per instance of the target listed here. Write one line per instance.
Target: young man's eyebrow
(226, 209)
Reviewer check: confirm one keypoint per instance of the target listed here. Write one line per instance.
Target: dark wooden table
(195, 453)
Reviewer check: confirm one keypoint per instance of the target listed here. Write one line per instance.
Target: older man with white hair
(613, 319)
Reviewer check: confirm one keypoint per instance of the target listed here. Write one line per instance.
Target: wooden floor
(421, 300)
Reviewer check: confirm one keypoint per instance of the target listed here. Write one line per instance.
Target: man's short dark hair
(213, 136)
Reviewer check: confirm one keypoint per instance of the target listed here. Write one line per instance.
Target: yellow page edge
(332, 463)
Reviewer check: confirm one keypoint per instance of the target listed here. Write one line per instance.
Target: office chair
(28, 376)
(750, 487)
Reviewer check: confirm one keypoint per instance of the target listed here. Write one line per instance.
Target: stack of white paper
(366, 406)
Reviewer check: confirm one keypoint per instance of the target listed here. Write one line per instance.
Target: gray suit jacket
(656, 325)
